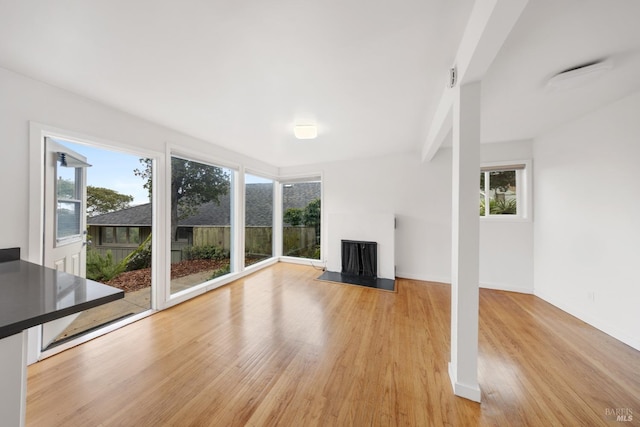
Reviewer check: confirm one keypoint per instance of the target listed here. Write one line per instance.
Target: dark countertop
(31, 294)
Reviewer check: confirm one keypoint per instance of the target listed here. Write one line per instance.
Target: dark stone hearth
(369, 282)
(11, 254)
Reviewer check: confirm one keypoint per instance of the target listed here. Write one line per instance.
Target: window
(120, 236)
(301, 222)
(107, 235)
(68, 200)
(502, 190)
(184, 234)
(201, 214)
(258, 231)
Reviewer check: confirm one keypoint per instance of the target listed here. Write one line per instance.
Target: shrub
(500, 207)
(204, 252)
(141, 257)
(226, 269)
(293, 216)
(102, 269)
(503, 206)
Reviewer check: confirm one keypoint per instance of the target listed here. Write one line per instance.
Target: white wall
(419, 196)
(25, 100)
(587, 218)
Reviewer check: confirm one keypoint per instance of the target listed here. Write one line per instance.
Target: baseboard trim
(500, 287)
(403, 275)
(596, 323)
(447, 281)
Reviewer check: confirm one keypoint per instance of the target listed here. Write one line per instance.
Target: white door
(65, 220)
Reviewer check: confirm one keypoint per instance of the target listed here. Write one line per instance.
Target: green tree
(192, 184)
(66, 188)
(146, 173)
(101, 200)
(293, 216)
(311, 217)
(499, 180)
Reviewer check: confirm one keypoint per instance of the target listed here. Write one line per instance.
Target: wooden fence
(258, 240)
(297, 241)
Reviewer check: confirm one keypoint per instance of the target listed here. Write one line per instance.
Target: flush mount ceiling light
(579, 75)
(305, 131)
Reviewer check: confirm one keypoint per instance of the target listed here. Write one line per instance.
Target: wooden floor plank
(280, 348)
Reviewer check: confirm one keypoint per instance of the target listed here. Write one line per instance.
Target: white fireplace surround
(370, 227)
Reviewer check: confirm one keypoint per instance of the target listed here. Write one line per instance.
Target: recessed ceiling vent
(579, 75)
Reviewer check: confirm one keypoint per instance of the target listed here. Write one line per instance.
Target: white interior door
(65, 220)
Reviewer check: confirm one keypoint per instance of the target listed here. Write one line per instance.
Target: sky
(114, 170)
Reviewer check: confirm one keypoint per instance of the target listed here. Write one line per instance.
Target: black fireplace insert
(360, 258)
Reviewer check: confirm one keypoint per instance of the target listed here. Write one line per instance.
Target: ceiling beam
(489, 25)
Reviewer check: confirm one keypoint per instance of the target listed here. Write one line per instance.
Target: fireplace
(360, 258)
(359, 267)
(361, 250)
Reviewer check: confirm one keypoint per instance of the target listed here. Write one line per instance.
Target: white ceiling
(240, 73)
(552, 36)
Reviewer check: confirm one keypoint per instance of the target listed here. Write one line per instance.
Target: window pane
(68, 214)
(68, 203)
(121, 235)
(200, 223)
(258, 219)
(502, 192)
(134, 235)
(301, 221)
(66, 186)
(107, 235)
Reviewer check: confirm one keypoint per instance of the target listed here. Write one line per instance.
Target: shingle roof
(135, 216)
(259, 208)
(299, 195)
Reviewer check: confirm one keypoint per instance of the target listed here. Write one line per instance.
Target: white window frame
(523, 191)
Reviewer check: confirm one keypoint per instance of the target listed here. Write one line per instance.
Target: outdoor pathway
(133, 303)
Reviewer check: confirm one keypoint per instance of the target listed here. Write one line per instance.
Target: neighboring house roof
(298, 195)
(258, 200)
(135, 216)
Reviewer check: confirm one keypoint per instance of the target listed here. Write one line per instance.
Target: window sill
(504, 218)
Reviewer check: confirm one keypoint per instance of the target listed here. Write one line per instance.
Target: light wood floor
(279, 348)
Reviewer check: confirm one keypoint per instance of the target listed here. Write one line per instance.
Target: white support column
(277, 232)
(238, 187)
(465, 229)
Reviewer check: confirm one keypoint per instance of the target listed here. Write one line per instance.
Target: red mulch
(130, 281)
